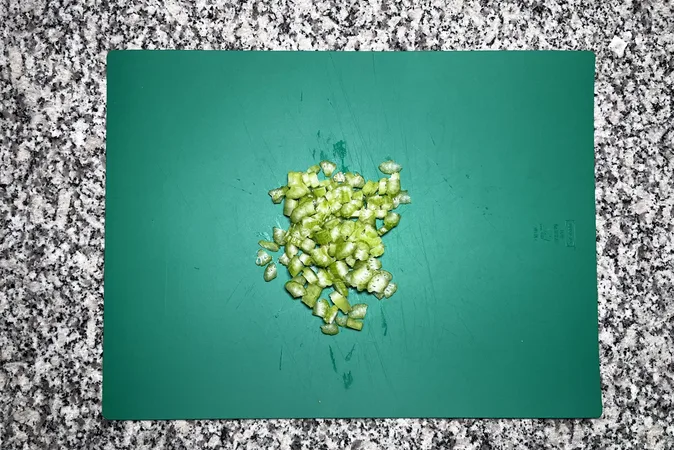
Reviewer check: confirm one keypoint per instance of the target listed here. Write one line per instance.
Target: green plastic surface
(496, 311)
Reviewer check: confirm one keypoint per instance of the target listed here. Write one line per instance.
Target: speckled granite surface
(52, 172)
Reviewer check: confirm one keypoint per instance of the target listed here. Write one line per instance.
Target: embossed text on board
(556, 233)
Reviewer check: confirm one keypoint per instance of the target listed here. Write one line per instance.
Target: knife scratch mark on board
(280, 360)
(230, 295)
(271, 154)
(463, 322)
(339, 151)
(383, 368)
(402, 315)
(417, 244)
(348, 379)
(376, 166)
(165, 283)
(428, 265)
(332, 358)
(384, 324)
(350, 354)
(348, 106)
(240, 189)
(243, 297)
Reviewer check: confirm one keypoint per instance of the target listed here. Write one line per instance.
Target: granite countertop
(52, 174)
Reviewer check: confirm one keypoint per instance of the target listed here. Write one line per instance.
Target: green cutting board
(496, 311)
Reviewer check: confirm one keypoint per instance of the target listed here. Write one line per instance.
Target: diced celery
(270, 272)
(358, 311)
(263, 258)
(334, 224)
(271, 246)
(330, 329)
(341, 302)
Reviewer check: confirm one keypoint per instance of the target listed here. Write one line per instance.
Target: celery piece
(383, 182)
(344, 249)
(302, 211)
(320, 191)
(278, 194)
(338, 269)
(328, 167)
(347, 228)
(370, 188)
(376, 200)
(310, 275)
(348, 210)
(390, 167)
(322, 237)
(373, 263)
(295, 266)
(320, 257)
(295, 289)
(307, 245)
(305, 259)
(367, 216)
(354, 324)
(338, 177)
(403, 198)
(330, 329)
(361, 277)
(341, 320)
(296, 192)
(263, 258)
(335, 233)
(362, 251)
(324, 278)
(312, 292)
(377, 250)
(341, 302)
(390, 289)
(270, 272)
(291, 250)
(295, 179)
(379, 282)
(271, 246)
(358, 181)
(348, 279)
(321, 308)
(331, 314)
(284, 259)
(393, 185)
(345, 196)
(299, 279)
(391, 220)
(341, 287)
(279, 235)
(288, 206)
(313, 180)
(358, 311)
(322, 207)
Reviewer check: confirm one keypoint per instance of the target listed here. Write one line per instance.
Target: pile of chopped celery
(334, 239)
